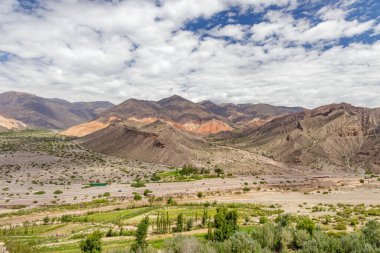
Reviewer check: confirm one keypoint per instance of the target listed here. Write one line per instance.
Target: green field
(256, 224)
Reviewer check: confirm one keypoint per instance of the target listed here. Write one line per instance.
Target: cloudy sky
(282, 52)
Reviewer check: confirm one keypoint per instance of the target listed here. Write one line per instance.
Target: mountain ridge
(54, 113)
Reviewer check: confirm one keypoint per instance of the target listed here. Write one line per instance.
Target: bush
(300, 236)
(263, 219)
(147, 192)
(39, 193)
(183, 244)
(243, 243)
(58, 192)
(341, 226)
(200, 194)
(92, 244)
(155, 178)
(307, 224)
(137, 196)
(138, 183)
(246, 189)
(371, 233)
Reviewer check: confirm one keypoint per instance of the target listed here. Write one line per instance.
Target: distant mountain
(338, 134)
(249, 114)
(41, 112)
(203, 118)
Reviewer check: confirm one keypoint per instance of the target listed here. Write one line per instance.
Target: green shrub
(138, 183)
(92, 244)
(341, 226)
(307, 224)
(137, 196)
(263, 219)
(371, 233)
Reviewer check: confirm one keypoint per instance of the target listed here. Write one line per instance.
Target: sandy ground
(12, 195)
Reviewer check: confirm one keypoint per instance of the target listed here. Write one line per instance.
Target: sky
(281, 52)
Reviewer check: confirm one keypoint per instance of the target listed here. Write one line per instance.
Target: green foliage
(137, 196)
(180, 223)
(162, 223)
(189, 224)
(46, 220)
(243, 243)
(225, 223)
(147, 192)
(171, 201)
(305, 223)
(188, 170)
(184, 244)
(39, 193)
(138, 183)
(284, 220)
(140, 244)
(371, 233)
(155, 177)
(263, 219)
(58, 192)
(341, 225)
(92, 244)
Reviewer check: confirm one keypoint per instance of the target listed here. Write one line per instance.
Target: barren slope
(157, 142)
(11, 124)
(334, 133)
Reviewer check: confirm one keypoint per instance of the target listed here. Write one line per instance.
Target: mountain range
(202, 118)
(177, 131)
(38, 112)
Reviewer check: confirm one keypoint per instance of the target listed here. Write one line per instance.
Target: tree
(180, 223)
(225, 223)
(92, 244)
(189, 224)
(140, 243)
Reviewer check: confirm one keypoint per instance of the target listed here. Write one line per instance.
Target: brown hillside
(157, 143)
(335, 133)
(11, 124)
(41, 112)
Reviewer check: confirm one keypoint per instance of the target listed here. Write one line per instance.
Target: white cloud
(236, 32)
(289, 29)
(92, 50)
(377, 29)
